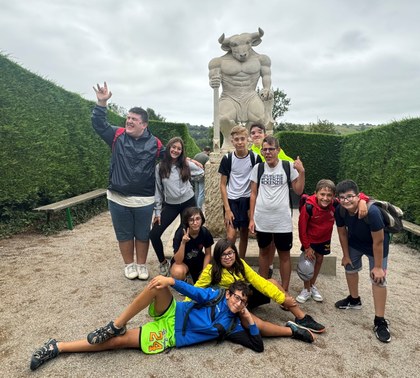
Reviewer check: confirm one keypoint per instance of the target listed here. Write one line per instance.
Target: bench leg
(69, 220)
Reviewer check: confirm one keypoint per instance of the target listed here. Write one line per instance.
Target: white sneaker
(303, 296)
(164, 268)
(142, 271)
(130, 271)
(316, 295)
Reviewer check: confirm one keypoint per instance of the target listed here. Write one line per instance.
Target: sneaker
(303, 296)
(308, 322)
(100, 335)
(382, 331)
(130, 271)
(142, 271)
(44, 354)
(270, 271)
(316, 296)
(300, 333)
(349, 303)
(164, 268)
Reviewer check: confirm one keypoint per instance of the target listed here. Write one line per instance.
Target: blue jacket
(132, 168)
(201, 328)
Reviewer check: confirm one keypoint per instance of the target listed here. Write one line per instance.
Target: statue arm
(266, 77)
(214, 73)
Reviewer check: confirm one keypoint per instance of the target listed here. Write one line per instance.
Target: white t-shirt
(272, 209)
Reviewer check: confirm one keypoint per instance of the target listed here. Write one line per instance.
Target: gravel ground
(64, 286)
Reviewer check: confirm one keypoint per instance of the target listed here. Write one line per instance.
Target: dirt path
(64, 286)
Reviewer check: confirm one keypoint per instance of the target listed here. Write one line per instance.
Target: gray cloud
(347, 62)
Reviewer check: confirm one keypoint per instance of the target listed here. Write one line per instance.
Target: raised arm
(102, 94)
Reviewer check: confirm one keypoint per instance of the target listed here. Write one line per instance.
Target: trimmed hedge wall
(385, 163)
(320, 154)
(49, 150)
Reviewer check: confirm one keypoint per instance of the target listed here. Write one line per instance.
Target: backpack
(121, 130)
(391, 214)
(229, 159)
(212, 303)
(286, 167)
(302, 202)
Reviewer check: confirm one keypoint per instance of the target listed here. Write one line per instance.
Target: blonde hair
(239, 129)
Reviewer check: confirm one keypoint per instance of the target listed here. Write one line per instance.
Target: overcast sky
(355, 61)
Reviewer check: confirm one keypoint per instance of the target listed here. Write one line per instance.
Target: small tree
(281, 104)
(155, 117)
(322, 126)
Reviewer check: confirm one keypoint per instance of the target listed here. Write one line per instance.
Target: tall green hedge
(385, 163)
(49, 150)
(320, 154)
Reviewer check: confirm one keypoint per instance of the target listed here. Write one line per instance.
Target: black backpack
(229, 159)
(213, 303)
(391, 214)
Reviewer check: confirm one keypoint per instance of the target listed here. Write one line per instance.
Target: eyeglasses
(194, 219)
(348, 198)
(268, 149)
(227, 255)
(238, 298)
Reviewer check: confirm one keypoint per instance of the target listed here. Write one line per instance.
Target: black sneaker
(103, 334)
(308, 322)
(44, 354)
(382, 331)
(300, 333)
(349, 303)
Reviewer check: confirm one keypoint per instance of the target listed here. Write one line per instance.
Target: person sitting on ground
(227, 267)
(360, 237)
(167, 329)
(174, 193)
(189, 241)
(316, 223)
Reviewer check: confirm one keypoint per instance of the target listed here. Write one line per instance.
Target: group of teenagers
(255, 187)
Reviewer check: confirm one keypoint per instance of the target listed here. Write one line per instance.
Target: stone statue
(239, 71)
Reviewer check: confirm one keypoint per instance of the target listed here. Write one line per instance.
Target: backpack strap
(252, 157)
(286, 167)
(118, 132)
(159, 147)
(309, 208)
(260, 173)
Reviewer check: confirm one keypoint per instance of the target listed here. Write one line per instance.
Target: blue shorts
(356, 259)
(131, 222)
(240, 210)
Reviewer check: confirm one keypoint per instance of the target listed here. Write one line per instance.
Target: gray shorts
(356, 259)
(131, 222)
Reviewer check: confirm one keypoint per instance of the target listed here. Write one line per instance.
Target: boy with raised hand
(270, 213)
(168, 329)
(235, 187)
(316, 223)
(359, 237)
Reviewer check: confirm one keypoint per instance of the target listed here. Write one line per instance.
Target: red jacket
(318, 227)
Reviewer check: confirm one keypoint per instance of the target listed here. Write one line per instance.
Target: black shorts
(282, 241)
(320, 248)
(257, 299)
(240, 210)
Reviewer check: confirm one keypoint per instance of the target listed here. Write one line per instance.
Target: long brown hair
(217, 267)
(181, 163)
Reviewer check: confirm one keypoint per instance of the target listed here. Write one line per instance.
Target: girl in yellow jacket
(227, 267)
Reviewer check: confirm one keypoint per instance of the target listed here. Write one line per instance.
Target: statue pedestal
(213, 201)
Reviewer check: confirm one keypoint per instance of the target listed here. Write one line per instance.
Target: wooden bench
(411, 227)
(68, 203)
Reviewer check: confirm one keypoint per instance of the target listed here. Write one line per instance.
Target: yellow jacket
(281, 155)
(251, 276)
